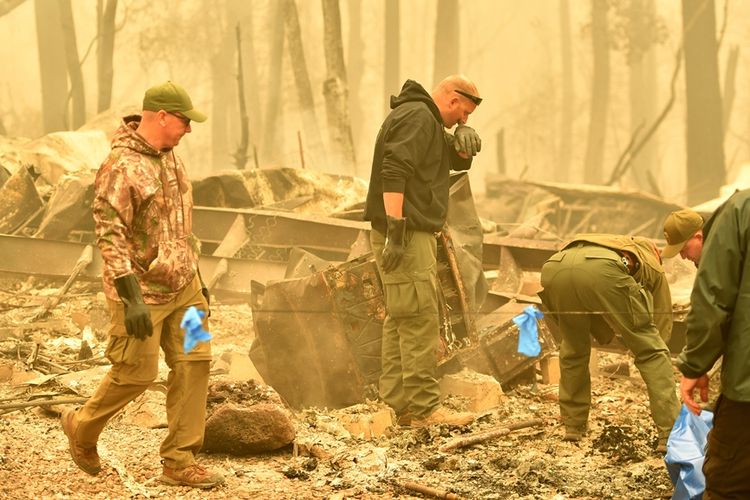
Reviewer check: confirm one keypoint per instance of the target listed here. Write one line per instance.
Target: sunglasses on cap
(476, 100)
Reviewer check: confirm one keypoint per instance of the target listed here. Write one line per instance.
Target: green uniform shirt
(650, 274)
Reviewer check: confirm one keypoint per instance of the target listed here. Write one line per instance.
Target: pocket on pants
(641, 306)
(720, 465)
(117, 349)
(406, 297)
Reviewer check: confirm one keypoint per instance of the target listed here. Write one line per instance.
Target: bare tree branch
(6, 6)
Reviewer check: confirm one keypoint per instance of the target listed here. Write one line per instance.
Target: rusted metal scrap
(318, 337)
(19, 200)
(495, 352)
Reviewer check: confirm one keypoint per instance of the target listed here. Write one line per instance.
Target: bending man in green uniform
(407, 202)
(599, 285)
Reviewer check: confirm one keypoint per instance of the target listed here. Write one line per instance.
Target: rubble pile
(346, 453)
(297, 310)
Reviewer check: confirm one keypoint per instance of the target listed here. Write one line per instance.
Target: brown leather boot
(193, 475)
(404, 418)
(443, 415)
(661, 445)
(87, 459)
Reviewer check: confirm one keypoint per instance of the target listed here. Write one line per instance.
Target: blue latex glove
(193, 326)
(528, 333)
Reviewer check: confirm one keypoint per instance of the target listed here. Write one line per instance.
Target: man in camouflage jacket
(142, 210)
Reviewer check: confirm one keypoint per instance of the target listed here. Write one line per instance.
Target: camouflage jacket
(650, 274)
(143, 214)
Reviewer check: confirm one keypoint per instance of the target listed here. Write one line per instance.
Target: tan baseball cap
(679, 227)
(171, 98)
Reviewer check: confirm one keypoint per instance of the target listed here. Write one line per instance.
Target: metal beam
(274, 229)
(529, 254)
(56, 259)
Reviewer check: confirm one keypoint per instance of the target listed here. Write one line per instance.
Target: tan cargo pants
(135, 367)
(411, 328)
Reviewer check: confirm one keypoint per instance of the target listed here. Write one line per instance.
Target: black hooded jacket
(412, 157)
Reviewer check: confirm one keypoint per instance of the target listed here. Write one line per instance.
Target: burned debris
(299, 308)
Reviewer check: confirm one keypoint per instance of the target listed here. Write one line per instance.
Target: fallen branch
(87, 256)
(42, 402)
(486, 436)
(427, 490)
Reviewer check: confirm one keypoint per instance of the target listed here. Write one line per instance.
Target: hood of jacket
(414, 92)
(126, 137)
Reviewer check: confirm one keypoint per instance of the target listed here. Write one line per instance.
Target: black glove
(206, 294)
(137, 315)
(393, 251)
(467, 140)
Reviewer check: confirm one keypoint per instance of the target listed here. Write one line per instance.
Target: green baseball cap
(679, 227)
(171, 98)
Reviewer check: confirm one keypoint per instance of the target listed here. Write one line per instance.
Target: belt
(627, 258)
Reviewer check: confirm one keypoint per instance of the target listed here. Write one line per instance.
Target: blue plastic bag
(528, 333)
(193, 326)
(686, 450)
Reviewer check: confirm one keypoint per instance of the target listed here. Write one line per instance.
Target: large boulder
(246, 417)
(242, 431)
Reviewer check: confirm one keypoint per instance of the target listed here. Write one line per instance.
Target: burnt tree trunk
(272, 140)
(223, 121)
(566, 95)
(392, 63)
(334, 88)
(240, 155)
(643, 86)
(355, 68)
(77, 93)
(105, 48)
(705, 150)
(52, 70)
(592, 169)
(446, 40)
(296, 50)
(246, 9)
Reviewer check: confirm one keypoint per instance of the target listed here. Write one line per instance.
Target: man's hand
(137, 314)
(393, 251)
(687, 386)
(467, 141)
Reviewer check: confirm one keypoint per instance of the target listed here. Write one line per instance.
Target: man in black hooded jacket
(407, 203)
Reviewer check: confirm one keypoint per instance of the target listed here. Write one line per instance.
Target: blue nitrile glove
(193, 326)
(528, 333)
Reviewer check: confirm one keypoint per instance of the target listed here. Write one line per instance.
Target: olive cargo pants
(135, 367)
(727, 464)
(411, 328)
(586, 279)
